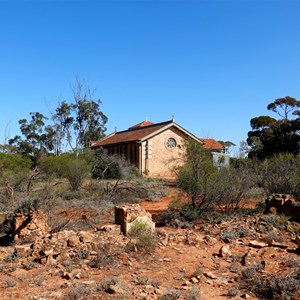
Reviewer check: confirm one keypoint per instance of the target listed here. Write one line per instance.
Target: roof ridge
(143, 127)
(142, 124)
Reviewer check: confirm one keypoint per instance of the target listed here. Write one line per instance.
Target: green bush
(14, 162)
(279, 174)
(12, 257)
(111, 167)
(27, 205)
(196, 176)
(277, 221)
(144, 238)
(14, 169)
(189, 212)
(55, 165)
(71, 194)
(208, 186)
(231, 186)
(76, 171)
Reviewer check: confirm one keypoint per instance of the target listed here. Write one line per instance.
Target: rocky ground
(223, 260)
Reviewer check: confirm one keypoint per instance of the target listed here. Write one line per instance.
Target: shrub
(14, 162)
(279, 174)
(10, 282)
(275, 287)
(208, 186)
(278, 221)
(106, 284)
(138, 228)
(76, 171)
(31, 204)
(28, 265)
(144, 238)
(53, 165)
(233, 292)
(141, 280)
(171, 295)
(13, 256)
(168, 217)
(231, 186)
(83, 253)
(293, 227)
(292, 262)
(242, 231)
(194, 293)
(214, 216)
(227, 236)
(146, 242)
(14, 170)
(189, 212)
(105, 257)
(79, 291)
(68, 265)
(111, 166)
(196, 175)
(273, 235)
(71, 194)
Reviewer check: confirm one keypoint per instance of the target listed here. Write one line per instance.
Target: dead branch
(10, 191)
(31, 179)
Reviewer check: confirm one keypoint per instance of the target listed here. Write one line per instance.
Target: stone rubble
(68, 254)
(283, 204)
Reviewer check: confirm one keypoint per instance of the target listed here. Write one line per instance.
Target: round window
(171, 143)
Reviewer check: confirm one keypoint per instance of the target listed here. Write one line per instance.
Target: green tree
(81, 121)
(284, 106)
(37, 138)
(74, 125)
(270, 136)
(196, 175)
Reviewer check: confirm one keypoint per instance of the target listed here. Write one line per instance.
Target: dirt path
(157, 207)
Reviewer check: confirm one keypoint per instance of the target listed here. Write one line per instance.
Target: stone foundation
(30, 226)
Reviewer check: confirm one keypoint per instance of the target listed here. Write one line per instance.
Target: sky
(213, 65)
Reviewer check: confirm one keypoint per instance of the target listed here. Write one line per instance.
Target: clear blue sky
(214, 65)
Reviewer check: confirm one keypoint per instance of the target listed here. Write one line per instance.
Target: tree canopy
(37, 137)
(73, 125)
(270, 136)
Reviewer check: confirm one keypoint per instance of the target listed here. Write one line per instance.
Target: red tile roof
(142, 124)
(211, 144)
(133, 134)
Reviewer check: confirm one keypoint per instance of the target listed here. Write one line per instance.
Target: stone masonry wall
(128, 215)
(161, 159)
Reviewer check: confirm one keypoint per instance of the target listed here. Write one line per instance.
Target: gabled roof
(142, 124)
(139, 133)
(211, 144)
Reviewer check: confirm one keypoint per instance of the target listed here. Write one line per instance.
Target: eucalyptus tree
(37, 139)
(270, 136)
(82, 120)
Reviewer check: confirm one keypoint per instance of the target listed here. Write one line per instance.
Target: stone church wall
(159, 159)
